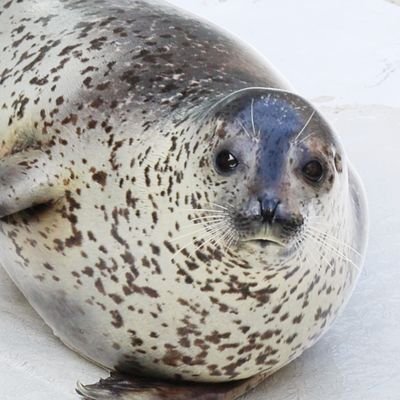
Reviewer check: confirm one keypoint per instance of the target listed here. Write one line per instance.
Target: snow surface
(344, 55)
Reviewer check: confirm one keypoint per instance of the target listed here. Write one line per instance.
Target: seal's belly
(212, 323)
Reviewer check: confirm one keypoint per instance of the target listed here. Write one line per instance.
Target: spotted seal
(169, 206)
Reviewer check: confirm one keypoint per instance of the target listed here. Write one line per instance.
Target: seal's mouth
(265, 242)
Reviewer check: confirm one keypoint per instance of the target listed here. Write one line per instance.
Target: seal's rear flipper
(27, 179)
(120, 387)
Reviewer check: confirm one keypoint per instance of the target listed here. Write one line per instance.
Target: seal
(171, 208)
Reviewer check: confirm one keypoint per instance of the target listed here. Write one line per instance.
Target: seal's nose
(268, 208)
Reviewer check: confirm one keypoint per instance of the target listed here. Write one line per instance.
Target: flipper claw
(123, 387)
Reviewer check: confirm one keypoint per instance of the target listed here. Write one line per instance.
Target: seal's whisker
(217, 242)
(223, 238)
(205, 222)
(304, 127)
(227, 241)
(324, 243)
(207, 240)
(209, 218)
(245, 130)
(252, 118)
(202, 209)
(210, 233)
(217, 215)
(297, 245)
(334, 239)
(206, 228)
(230, 240)
(318, 221)
(306, 137)
(311, 253)
(328, 263)
(182, 249)
(219, 205)
(195, 240)
(227, 206)
(322, 222)
(234, 239)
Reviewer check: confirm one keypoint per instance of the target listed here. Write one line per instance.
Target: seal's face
(274, 159)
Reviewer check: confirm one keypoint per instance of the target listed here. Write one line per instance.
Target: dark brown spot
(100, 177)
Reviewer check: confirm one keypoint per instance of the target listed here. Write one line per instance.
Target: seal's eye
(313, 171)
(226, 161)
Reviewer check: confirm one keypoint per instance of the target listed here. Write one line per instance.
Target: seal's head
(273, 161)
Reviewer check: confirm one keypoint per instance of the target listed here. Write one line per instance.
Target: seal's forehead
(272, 114)
(267, 113)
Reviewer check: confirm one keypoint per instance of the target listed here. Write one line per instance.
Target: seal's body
(169, 206)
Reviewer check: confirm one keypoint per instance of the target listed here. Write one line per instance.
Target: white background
(344, 55)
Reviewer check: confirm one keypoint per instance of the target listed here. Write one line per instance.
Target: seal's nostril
(268, 208)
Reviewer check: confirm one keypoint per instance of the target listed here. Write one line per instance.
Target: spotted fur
(109, 115)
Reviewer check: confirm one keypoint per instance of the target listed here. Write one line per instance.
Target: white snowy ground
(344, 55)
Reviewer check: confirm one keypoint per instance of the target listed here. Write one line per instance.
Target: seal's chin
(271, 245)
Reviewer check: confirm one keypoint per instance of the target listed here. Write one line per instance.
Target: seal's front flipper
(120, 387)
(27, 179)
